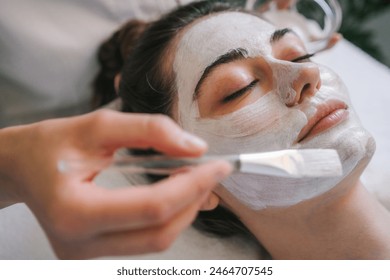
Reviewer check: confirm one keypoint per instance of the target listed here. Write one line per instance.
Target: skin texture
(344, 222)
(281, 109)
(83, 220)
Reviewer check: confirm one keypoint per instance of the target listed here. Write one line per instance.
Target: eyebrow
(230, 56)
(233, 55)
(278, 34)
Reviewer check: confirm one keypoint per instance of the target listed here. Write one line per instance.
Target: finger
(153, 239)
(145, 131)
(210, 203)
(133, 208)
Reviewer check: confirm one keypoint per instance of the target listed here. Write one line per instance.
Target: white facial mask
(267, 124)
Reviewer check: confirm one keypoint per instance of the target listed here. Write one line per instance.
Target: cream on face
(270, 122)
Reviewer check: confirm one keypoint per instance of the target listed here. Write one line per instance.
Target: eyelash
(240, 92)
(303, 58)
(244, 90)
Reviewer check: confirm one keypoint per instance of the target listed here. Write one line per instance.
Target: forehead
(209, 38)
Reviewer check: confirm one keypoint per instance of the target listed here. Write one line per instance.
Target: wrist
(10, 148)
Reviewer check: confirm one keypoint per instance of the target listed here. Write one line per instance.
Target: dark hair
(146, 88)
(111, 57)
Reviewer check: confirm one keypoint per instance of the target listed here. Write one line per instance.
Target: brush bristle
(317, 163)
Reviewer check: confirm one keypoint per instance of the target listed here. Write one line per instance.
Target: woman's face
(245, 88)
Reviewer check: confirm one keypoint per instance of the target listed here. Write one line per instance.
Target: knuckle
(158, 124)
(158, 212)
(97, 123)
(162, 241)
(200, 186)
(101, 117)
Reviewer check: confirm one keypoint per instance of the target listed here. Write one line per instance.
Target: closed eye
(303, 58)
(239, 92)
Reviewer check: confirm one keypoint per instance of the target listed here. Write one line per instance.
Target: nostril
(306, 87)
(305, 92)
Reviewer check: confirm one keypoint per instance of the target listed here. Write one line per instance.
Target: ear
(334, 40)
(284, 4)
(210, 203)
(117, 81)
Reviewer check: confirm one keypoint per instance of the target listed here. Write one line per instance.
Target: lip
(328, 115)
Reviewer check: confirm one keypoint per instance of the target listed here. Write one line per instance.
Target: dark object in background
(355, 15)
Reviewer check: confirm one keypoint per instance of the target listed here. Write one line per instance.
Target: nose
(306, 84)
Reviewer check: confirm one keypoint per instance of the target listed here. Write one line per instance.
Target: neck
(344, 223)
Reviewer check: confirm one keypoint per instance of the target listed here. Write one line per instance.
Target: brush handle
(163, 165)
(157, 165)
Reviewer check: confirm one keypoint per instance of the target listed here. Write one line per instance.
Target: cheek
(263, 126)
(332, 85)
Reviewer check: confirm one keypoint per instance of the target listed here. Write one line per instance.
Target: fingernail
(193, 142)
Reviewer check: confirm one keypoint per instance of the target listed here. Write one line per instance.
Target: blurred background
(366, 23)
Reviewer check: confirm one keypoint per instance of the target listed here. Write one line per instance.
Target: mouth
(327, 116)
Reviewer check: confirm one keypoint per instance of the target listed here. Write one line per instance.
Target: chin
(352, 141)
(359, 149)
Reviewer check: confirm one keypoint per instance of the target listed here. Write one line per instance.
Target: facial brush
(283, 163)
